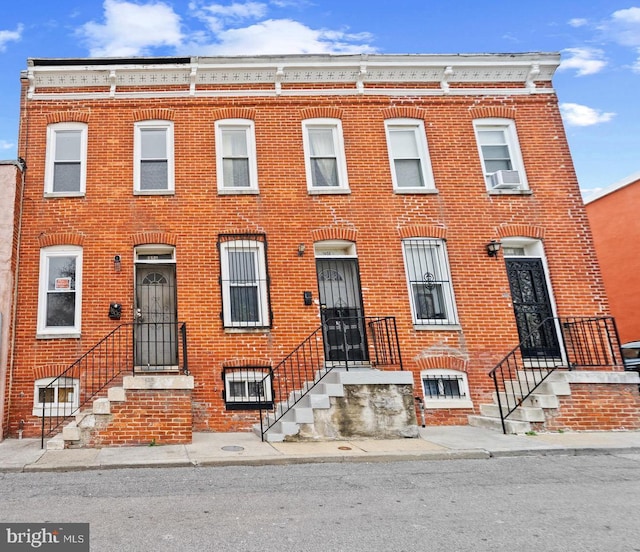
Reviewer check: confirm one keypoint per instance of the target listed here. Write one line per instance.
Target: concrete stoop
(312, 417)
(533, 408)
(78, 432)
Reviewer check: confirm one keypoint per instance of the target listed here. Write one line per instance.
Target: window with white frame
(409, 155)
(236, 156)
(247, 388)
(430, 289)
(444, 388)
(60, 292)
(55, 396)
(245, 287)
(325, 161)
(500, 154)
(153, 157)
(66, 159)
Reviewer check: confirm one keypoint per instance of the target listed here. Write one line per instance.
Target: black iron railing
(309, 363)
(581, 342)
(135, 347)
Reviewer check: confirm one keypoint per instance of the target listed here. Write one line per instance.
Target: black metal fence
(584, 342)
(122, 351)
(307, 364)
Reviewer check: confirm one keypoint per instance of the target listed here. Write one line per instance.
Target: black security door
(532, 305)
(341, 310)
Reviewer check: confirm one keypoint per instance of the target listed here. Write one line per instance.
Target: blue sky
(599, 41)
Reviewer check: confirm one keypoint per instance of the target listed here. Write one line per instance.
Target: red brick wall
(148, 417)
(108, 219)
(616, 228)
(597, 407)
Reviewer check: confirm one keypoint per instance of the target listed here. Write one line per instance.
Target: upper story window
(153, 157)
(60, 298)
(66, 159)
(409, 156)
(245, 284)
(324, 156)
(430, 289)
(500, 155)
(237, 170)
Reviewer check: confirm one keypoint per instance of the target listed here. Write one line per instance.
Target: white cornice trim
(285, 72)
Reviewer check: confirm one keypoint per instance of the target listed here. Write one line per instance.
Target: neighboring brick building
(615, 223)
(247, 199)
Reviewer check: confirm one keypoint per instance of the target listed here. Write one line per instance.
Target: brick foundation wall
(597, 407)
(147, 417)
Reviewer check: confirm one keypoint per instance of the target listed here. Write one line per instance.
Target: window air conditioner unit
(505, 180)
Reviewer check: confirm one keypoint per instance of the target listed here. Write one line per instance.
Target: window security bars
(100, 366)
(244, 281)
(584, 342)
(430, 289)
(248, 387)
(443, 387)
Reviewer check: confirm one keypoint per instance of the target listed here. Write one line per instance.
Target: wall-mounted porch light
(301, 249)
(493, 247)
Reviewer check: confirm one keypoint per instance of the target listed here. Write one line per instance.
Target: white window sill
(153, 192)
(447, 403)
(54, 411)
(63, 194)
(436, 327)
(238, 191)
(243, 330)
(70, 335)
(510, 192)
(432, 191)
(329, 190)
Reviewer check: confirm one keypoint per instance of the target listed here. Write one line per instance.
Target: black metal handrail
(306, 366)
(581, 342)
(132, 347)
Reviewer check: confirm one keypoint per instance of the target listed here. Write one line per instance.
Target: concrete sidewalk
(226, 449)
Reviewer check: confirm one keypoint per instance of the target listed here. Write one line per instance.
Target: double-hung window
(153, 157)
(325, 162)
(409, 156)
(60, 297)
(430, 289)
(247, 388)
(500, 155)
(244, 279)
(236, 156)
(66, 159)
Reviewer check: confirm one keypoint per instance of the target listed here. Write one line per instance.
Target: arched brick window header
(423, 231)
(154, 114)
(61, 238)
(246, 362)
(520, 230)
(322, 113)
(234, 113)
(402, 112)
(442, 362)
(334, 233)
(490, 112)
(143, 238)
(68, 117)
(49, 371)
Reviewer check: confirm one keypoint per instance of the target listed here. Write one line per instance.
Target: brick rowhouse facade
(443, 95)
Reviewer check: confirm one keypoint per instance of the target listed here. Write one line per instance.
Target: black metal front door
(156, 320)
(531, 305)
(341, 310)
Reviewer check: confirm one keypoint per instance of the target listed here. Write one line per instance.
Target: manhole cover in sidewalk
(233, 448)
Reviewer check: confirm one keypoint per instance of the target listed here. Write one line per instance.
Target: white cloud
(218, 16)
(8, 36)
(582, 115)
(624, 27)
(578, 22)
(4, 145)
(132, 29)
(586, 61)
(284, 36)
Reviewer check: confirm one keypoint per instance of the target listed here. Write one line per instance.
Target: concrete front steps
(302, 412)
(78, 432)
(531, 410)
